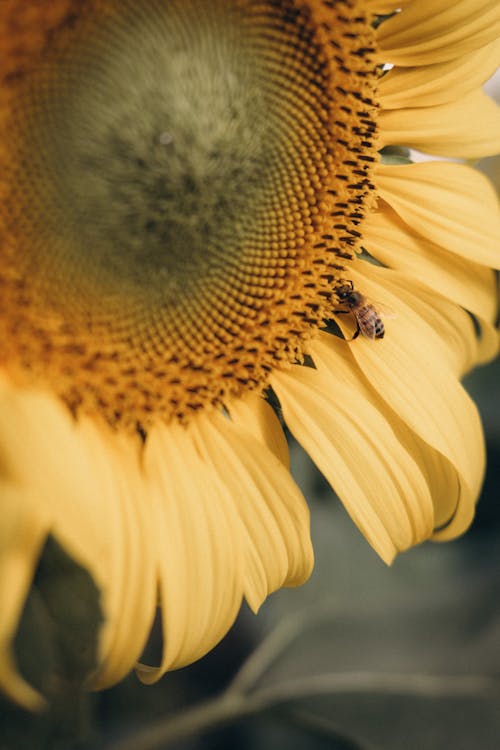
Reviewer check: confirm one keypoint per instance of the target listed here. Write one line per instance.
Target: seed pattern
(160, 258)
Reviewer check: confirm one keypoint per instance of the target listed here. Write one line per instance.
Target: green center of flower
(156, 156)
(176, 169)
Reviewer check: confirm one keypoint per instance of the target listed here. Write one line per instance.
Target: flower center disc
(172, 188)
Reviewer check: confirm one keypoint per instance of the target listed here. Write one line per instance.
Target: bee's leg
(349, 312)
(354, 337)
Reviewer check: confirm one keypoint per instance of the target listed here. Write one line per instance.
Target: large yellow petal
(84, 481)
(356, 447)
(197, 542)
(274, 532)
(432, 31)
(396, 245)
(431, 85)
(415, 374)
(448, 328)
(131, 581)
(468, 128)
(228, 520)
(449, 325)
(253, 413)
(452, 205)
(451, 508)
(43, 454)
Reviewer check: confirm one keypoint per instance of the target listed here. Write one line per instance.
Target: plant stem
(233, 704)
(216, 712)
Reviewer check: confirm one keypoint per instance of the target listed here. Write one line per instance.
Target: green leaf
(56, 651)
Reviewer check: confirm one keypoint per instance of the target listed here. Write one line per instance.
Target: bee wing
(383, 310)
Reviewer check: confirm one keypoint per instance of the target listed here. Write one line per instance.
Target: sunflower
(200, 201)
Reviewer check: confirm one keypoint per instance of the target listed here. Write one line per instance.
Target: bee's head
(347, 294)
(343, 291)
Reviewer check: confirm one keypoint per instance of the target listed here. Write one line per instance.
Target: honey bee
(369, 322)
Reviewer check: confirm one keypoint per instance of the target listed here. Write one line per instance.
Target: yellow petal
(13, 685)
(432, 31)
(489, 342)
(228, 521)
(274, 516)
(396, 245)
(197, 543)
(87, 484)
(468, 128)
(253, 413)
(449, 326)
(456, 329)
(412, 371)
(458, 522)
(430, 85)
(130, 590)
(379, 6)
(22, 533)
(452, 505)
(356, 447)
(452, 205)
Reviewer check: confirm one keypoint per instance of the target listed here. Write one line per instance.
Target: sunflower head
(199, 182)
(190, 190)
